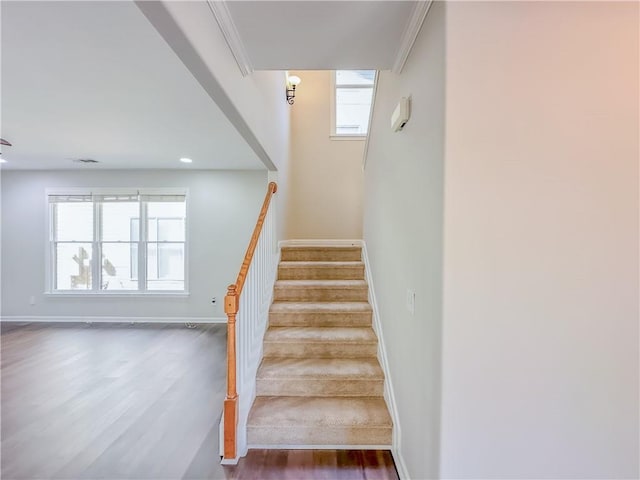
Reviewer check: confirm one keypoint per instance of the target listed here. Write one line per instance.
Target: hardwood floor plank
(143, 401)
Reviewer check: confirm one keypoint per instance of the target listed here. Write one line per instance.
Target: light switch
(411, 301)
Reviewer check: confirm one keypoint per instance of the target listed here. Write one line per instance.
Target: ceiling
(72, 89)
(319, 35)
(94, 79)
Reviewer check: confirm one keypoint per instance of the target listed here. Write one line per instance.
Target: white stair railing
(247, 306)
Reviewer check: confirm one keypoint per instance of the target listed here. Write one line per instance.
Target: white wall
(326, 175)
(403, 233)
(540, 352)
(223, 207)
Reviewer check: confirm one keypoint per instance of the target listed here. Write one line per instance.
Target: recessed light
(186, 160)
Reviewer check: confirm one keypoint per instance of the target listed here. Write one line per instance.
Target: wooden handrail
(244, 269)
(231, 305)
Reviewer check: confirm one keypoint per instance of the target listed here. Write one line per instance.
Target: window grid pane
(73, 221)
(73, 266)
(118, 248)
(353, 106)
(120, 221)
(165, 266)
(355, 77)
(117, 261)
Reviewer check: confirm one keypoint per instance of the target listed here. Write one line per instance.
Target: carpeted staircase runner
(320, 383)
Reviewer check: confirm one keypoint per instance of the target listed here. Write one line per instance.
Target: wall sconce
(292, 82)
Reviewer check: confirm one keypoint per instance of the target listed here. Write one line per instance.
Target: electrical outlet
(411, 301)
(32, 300)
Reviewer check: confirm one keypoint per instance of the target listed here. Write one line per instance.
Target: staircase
(320, 383)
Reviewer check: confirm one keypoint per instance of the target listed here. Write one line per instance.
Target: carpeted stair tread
(320, 382)
(326, 368)
(321, 247)
(320, 314)
(320, 284)
(292, 412)
(321, 263)
(320, 307)
(321, 270)
(321, 253)
(320, 291)
(341, 335)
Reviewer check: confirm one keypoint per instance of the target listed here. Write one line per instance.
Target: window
(118, 242)
(351, 102)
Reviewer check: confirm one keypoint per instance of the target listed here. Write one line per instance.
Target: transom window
(117, 242)
(351, 103)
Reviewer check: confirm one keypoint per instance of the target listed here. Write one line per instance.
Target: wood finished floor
(121, 401)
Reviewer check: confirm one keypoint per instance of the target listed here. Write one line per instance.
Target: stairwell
(320, 383)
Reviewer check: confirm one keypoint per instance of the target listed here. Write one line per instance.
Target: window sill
(348, 137)
(70, 294)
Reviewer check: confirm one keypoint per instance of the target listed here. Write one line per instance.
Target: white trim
(348, 137)
(373, 105)
(418, 15)
(332, 110)
(116, 294)
(320, 447)
(96, 274)
(332, 104)
(321, 243)
(384, 363)
(104, 319)
(52, 191)
(241, 440)
(401, 467)
(49, 255)
(221, 12)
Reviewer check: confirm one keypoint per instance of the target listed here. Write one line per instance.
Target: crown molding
(418, 15)
(221, 12)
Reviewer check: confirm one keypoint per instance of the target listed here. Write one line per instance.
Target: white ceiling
(320, 35)
(95, 80)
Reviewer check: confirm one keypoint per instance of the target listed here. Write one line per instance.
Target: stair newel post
(231, 304)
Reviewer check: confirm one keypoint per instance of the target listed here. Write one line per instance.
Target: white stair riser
(320, 294)
(319, 349)
(319, 436)
(320, 255)
(319, 387)
(314, 319)
(321, 273)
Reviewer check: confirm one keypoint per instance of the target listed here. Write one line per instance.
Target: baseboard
(384, 363)
(401, 467)
(321, 243)
(104, 319)
(320, 447)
